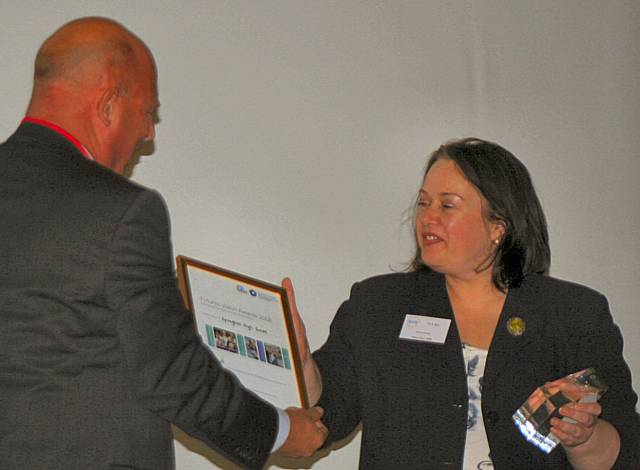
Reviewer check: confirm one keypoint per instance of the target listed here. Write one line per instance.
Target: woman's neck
(476, 305)
(472, 289)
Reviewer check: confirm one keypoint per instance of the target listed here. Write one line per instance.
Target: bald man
(97, 354)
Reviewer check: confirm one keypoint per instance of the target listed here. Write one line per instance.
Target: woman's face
(453, 234)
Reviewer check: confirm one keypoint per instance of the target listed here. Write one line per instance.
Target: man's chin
(128, 167)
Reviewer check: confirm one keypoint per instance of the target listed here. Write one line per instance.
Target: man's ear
(106, 104)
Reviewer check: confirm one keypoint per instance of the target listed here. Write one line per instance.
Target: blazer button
(492, 417)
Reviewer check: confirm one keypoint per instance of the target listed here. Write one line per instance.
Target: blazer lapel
(520, 309)
(518, 326)
(430, 298)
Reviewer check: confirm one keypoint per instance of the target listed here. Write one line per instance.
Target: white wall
(294, 132)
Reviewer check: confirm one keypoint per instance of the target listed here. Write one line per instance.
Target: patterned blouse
(476, 449)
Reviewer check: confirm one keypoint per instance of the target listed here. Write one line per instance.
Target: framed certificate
(247, 325)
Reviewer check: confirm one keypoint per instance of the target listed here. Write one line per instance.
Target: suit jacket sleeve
(171, 373)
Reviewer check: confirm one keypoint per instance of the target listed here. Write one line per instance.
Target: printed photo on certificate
(247, 325)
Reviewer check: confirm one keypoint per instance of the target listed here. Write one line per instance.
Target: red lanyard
(62, 132)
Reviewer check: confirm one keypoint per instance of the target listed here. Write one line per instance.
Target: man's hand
(307, 433)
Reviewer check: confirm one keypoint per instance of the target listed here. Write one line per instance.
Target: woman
(434, 362)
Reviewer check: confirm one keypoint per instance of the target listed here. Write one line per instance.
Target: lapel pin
(516, 326)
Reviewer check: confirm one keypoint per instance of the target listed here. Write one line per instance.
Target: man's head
(97, 80)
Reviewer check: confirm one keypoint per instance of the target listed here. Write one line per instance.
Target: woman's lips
(429, 239)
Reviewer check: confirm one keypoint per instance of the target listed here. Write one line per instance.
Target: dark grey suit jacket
(97, 354)
(411, 397)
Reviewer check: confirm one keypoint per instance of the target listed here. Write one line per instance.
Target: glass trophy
(533, 418)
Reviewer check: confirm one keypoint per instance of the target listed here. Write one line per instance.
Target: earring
(496, 241)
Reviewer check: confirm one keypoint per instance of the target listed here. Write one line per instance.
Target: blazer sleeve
(337, 362)
(600, 346)
(170, 371)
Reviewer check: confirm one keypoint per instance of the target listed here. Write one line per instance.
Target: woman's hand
(298, 324)
(589, 441)
(584, 418)
(312, 378)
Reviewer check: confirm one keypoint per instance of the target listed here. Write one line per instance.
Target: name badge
(421, 328)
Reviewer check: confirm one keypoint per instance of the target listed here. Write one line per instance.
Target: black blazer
(411, 397)
(97, 353)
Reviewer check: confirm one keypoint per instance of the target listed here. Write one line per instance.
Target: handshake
(306, 434)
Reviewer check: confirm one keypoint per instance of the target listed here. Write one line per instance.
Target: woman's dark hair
(511, 199)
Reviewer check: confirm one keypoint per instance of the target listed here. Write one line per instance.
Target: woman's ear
(498, 229)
